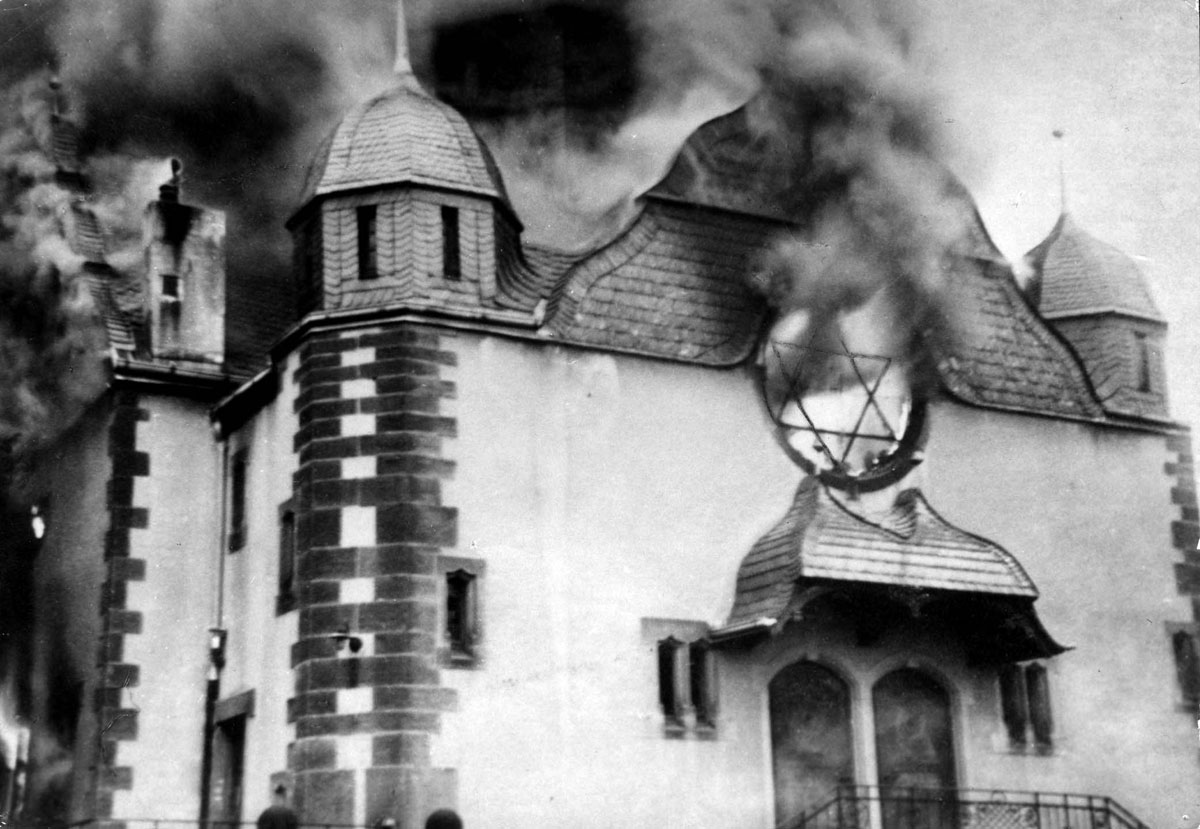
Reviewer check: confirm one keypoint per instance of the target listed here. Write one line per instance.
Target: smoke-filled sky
(242, 89)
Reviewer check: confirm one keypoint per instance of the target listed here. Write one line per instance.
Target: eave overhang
(910, 563)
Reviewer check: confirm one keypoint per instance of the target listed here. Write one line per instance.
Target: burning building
(677, 529)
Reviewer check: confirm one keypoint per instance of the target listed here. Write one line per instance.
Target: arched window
(811, 742)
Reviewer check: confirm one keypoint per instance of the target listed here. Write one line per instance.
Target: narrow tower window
(170, 285)
(451, 254)
(237, 500)
(460, 613)
(367, 247)
(286, 600)
(1143, 357)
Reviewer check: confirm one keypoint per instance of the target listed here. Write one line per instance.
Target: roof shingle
(1077, 275)
(404, 135)
(912, 547)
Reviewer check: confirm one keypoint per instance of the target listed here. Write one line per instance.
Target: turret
(1099, 300)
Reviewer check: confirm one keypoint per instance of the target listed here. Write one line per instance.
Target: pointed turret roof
(404, 136)
(1076, 274)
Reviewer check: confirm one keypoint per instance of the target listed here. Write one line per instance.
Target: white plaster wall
(259, 642)
(176, 603)
(1087, 512)
(601, 490)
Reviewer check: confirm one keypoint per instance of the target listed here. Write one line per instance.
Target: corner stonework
(1185, 531)
(370, 528)
(117, 719)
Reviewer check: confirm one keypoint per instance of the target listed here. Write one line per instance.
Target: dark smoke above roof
(403, 136)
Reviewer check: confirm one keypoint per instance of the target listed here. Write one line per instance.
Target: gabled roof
(674, 285)
(911, 547)
(404, 135)
(1001, 355)
(1076, 274)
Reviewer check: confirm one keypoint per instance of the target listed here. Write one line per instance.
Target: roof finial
(1062, 175)
(403, 65)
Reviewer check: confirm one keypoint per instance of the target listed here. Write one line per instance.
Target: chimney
(185, 276)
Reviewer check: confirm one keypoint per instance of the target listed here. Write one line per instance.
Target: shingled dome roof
(403, 136)
(1077, 275)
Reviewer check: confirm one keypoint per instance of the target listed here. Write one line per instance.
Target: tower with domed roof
(1100, 301)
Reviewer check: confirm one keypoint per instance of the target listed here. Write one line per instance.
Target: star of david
(863, 375)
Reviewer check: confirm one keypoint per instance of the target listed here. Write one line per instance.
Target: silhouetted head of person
(444, 819)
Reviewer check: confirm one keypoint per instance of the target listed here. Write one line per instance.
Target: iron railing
(895, 807)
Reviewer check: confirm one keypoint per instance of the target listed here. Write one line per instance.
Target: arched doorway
(914, 749)
(811, 742)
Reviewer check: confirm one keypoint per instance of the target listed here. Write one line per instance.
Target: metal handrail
(910, 807)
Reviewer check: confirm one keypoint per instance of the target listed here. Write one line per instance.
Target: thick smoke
(880, 215)
(242, 92)
(51, 348)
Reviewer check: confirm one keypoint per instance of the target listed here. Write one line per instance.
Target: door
(914, 748)
(811, 742)
(229, 748)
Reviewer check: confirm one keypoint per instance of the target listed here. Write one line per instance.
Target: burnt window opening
(367, 242)
(1025, 706)
(1143, 358)
(670, 695)
(1187, 666)
(451, 252)
(286, 599)
(237, 500)
(170, 285)
(702, 681)
(460, 614)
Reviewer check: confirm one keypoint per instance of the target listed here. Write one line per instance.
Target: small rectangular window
(451, 253)
(1025, 706)
(460, 614)
(367, 243)
(702, 678)
(237, 500)
(170, 285)
(286, 599)
(1014, 703)
(669, 686)
(1187, 666)
(1037, 682)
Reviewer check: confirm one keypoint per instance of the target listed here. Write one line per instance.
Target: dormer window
(367, 246)
(451, 253)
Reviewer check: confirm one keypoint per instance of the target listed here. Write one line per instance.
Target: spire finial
(403, 65)
(1062, 174)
